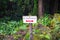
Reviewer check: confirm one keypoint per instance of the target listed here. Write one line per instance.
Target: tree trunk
(55, 6)
(51, 7)
(40, 8)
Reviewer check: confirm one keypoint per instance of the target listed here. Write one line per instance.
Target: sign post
(31, 32)
(30, 20)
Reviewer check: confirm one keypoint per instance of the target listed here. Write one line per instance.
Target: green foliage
(8, 28)
(55, 22)
(45, 20)
(45, 37)
(27, 36)
(54, 33)
(11, 27)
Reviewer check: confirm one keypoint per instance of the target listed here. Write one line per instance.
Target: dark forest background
(15, 9)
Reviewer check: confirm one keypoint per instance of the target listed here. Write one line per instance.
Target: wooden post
(31, 35)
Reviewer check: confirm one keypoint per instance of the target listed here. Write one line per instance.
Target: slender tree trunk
(51, 7)
(40, 8)
(55, 6)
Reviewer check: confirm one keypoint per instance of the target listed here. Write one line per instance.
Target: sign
(29, 19)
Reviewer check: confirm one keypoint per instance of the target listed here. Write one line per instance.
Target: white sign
(29, 19)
